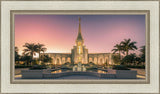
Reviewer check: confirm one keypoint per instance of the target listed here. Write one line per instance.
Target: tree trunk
(119, 55)
(127, 52)
(27, 63)
(39, 57)
(31, 58)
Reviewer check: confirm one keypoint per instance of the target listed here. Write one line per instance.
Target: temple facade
(79, 53)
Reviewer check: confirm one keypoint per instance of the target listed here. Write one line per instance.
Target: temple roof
(79, 37)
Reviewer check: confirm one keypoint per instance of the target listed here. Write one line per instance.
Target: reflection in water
(100, 71)
(59, 71)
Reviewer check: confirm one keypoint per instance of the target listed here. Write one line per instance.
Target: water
(60, 71)
(57, 71)
(101, 71)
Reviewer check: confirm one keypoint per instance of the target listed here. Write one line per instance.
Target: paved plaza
(140, 74)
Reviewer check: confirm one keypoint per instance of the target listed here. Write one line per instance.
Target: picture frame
(10, 85)
(89, 81)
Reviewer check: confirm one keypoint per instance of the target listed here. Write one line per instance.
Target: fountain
(79, 67)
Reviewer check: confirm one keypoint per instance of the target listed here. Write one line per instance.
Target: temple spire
(79, 37)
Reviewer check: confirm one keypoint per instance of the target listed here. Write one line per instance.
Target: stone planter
(126, 74)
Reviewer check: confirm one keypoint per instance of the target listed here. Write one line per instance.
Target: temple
(79, 54)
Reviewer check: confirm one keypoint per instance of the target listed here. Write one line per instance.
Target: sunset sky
(59, 32)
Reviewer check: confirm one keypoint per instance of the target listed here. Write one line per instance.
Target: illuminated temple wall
(75, 55)
(97, 58)
(59, 58)
(101, 58)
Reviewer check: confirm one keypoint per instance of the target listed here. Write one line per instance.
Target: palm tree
(40, 48)
(17, 56)
(127, 45)
(46, 60)
(117, 48)
(26, 58)
(31, 49)
(116, 59)
(142, 50)
(16, 49)
(129, 59)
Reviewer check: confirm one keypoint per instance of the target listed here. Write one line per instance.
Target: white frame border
(153, 87)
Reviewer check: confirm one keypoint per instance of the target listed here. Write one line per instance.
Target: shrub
(38, 67)
(93, 68)
(140, 67)
(34, 62)
(120, 67)
(91, 63)
(116, 59)
(22, 66)
(66, 68)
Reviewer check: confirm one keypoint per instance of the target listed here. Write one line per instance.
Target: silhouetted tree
(118, 48)
(142, 50)
(128, 45)
(46, 59)
(30, 49)
(17, 56)
(116, 59)
(40, 48)
(129, 59)
(26, 58)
